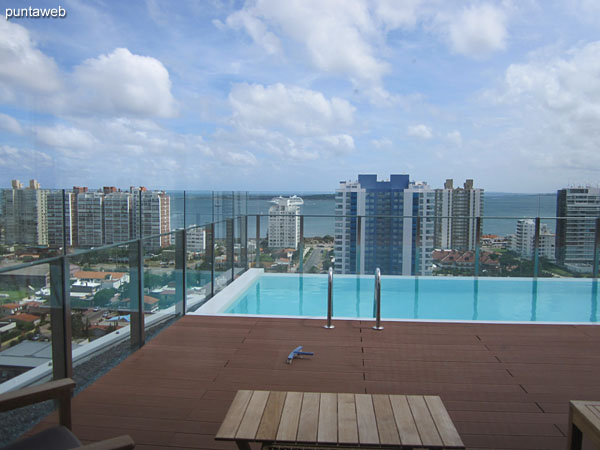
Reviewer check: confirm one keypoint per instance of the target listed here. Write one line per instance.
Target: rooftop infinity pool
(427, 298)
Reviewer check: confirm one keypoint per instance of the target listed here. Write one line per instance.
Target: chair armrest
(34, 394)
(119, 443)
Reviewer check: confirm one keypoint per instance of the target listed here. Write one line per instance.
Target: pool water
(435, 298)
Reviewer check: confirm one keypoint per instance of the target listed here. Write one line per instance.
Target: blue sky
(298, 95)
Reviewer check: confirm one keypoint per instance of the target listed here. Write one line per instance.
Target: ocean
(501, 210)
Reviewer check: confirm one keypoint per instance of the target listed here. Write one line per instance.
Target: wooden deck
(505, 386)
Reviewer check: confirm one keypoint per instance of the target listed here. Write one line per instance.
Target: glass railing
(430, 245)
(100, 303)
(100, 298)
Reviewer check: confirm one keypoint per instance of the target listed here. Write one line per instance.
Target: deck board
(504, 386)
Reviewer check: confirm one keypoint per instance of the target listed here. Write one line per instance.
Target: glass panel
(198, 208)
(162, 289)
(198, 267)
(222, 265)
(318, 244)
(100, 310)
(25, 332)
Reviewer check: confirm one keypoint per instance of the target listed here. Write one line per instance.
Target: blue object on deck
(297, 352)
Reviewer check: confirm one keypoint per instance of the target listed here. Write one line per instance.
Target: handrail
(330, 299)
(377, 300)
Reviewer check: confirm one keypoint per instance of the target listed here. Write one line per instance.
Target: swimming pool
(427, 298)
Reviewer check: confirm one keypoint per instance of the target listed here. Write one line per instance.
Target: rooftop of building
(505, 386)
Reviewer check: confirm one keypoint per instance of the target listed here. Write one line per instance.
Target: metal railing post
(211, 256)
(230, 239)
(180, 272)
(377, 300)
(477, 243)
(330, 299)
(60, 319)
(536, 248)
(417, 246)
(257, 265)
(597, 249)
(136, 293)
(244, 241)
(301, 247)
(358, 243)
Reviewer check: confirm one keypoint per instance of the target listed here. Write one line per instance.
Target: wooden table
(318, 419)
(584, 418)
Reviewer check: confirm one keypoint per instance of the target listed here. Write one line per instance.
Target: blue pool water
(436, 298)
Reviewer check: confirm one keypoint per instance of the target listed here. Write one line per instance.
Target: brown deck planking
(505, 386)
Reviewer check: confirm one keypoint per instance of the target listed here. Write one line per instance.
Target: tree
(103, 296)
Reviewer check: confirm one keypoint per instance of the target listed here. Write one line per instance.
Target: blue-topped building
(377, 226)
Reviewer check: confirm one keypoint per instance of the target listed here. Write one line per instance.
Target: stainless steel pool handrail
(377, 300)
(330, 299)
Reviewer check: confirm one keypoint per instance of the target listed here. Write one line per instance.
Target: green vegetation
(103, 296)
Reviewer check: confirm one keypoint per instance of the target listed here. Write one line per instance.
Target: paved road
(313, 259)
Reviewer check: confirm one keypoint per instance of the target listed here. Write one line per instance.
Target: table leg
(575, 438)
(243, 445)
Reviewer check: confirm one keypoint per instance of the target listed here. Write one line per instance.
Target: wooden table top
(353, 419)
(585, 414)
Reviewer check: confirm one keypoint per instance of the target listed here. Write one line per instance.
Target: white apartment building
(456, 209)
(155, 219)
(349, 203)
(117, 217)
(90, 223)
(575, 237)
(523, 241)
(196, 239)
(284, 222)
(24, 214)
(57, 212)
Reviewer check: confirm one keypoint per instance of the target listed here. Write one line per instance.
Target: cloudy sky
(300, 94)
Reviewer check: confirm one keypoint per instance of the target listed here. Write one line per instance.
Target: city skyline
(262, 95)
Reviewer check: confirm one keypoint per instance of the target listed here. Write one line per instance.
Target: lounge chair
(59, 437)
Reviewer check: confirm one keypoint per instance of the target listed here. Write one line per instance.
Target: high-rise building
(395, 232)
(155, 218)
(24, 214)
(284, 222)
(456, 210)
(196, 239)
(90, 223)
(117, 216)
(575, 233)
(61, 218)
(523, 241)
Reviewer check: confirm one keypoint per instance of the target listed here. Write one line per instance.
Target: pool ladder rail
(377, 300)
(330, 299)
(376, 305)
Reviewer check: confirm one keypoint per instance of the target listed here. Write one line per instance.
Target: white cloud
(256, 29)
(124, 83)
(14, 160)
(478, 30)
(10, 124)
(338, 36)
(293, 109)
(420, 131)
(455, 137)
(556, 102)
(23, 65)
(62, 137)
(340, 144)
(243, 159)
(381, 143)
